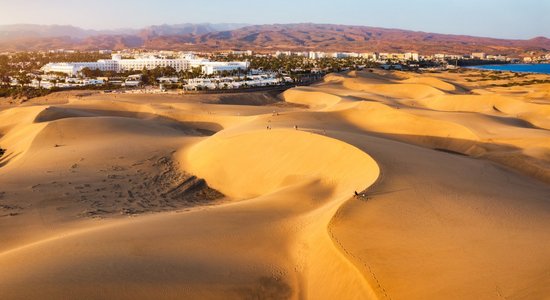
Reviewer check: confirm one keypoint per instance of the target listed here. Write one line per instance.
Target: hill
(299, 37)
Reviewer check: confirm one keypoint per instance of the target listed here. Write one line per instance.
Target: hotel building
(119, 64)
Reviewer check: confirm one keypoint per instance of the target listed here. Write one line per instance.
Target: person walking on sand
(296, 127)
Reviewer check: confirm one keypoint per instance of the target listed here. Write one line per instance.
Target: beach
(369, 185)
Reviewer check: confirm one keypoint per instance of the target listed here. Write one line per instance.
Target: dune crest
(370, 185)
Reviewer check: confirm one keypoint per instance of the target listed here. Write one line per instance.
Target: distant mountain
(187, 28)
(327, 37)
(299, 37)
(25, 31)
(20, 37)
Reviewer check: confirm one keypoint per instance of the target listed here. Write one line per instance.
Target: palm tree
(5, 80)
(23, 79)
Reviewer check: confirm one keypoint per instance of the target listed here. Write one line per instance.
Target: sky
(522, 19)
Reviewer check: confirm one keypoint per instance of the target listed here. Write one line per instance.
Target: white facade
(214, 67)
(234, 82)
(245, 52)
(344, 54)
(72, 68)
(497, 57)
(118, 64)
(283, 53)
(150, 63)
(412, 56)
(373, 56)
(480, 55)
(317, 55)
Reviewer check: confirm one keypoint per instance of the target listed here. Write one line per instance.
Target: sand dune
(535, 114)
(311, 97)
(176, 197)
(433, 82)
(396, 90)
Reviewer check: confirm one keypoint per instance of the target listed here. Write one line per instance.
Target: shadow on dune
(266, 288)
(254, 99)
(511, 121)
(190, 128)
(505, 155)
(4, 160)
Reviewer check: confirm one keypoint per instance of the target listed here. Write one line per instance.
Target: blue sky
(494, 18)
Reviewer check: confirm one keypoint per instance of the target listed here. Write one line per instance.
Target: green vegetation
(494, 75)
(30, 92)
(522, 83)
(148, 76)
(295, 64)
(24, 92)
(474, 62)
(28, 62)
(19, 65)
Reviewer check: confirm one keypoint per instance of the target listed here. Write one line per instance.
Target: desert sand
(106, 196)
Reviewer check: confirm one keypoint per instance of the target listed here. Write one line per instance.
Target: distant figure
(296, 127)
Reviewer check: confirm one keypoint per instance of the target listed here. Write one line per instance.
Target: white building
(234, 82)
(412, 56)
(244, 52)
(479, 55)
(344, 54)
(118, 64)
(213, 67)
(168, 79)
(317, 55)
(440, 56)
(149, 63)
(283, 53)
(373, 56)
(497, 57)
(72, 68)
(383, 56)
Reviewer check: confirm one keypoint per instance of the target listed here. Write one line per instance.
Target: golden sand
(120, 196)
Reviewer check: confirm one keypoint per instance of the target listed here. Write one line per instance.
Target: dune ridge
(163, 197)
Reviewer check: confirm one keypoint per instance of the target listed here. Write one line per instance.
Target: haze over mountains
(17, 31)
(299, 37)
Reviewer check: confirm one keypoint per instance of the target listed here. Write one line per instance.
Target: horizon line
(269, 24)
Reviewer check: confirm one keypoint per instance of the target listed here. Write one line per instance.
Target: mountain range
(297, 37)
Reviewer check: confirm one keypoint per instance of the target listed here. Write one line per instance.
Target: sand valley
(117, 196)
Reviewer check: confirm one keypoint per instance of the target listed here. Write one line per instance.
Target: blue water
(528, 68)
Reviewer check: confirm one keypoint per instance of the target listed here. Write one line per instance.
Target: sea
(523, 68)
